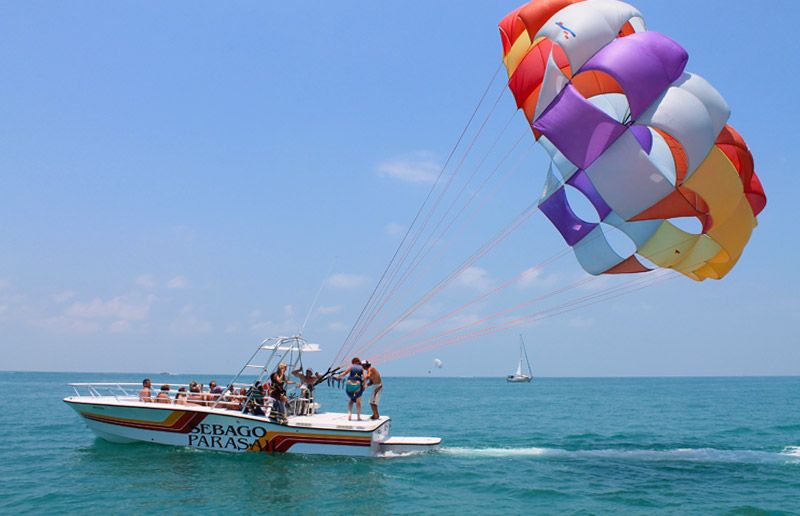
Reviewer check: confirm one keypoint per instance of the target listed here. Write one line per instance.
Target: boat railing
(301, 404)
(130, 391)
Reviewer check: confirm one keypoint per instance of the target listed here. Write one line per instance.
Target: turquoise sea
(555, 446)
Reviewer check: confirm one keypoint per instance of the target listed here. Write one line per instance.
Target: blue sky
(176, 179)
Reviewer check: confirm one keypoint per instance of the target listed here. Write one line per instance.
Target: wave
(789, 455)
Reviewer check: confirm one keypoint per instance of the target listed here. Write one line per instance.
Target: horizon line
(166, 373)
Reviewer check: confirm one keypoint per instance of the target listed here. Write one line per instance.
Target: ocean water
(587, 446)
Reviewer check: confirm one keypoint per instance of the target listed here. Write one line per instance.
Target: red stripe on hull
(184, 425)
(283, 443)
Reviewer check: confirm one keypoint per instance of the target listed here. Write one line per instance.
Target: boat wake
(789, 455)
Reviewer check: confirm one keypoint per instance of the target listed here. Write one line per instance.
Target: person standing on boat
(254, 398)
(354, 387)
(374, 379)
(145, 394)
(307, 382)
(277, 389)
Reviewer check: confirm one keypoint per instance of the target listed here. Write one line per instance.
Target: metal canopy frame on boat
(279, 349)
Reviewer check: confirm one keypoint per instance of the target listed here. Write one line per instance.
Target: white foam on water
(394, 455)
(792, 451)
(498, 452)
(789, 455)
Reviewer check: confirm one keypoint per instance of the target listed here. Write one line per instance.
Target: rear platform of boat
(403, 445)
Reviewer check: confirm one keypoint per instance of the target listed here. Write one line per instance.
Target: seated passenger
(145, 394)
(195, 394)
(230, 400)
(163, 395)
(213, 392)
(213, 388)
(180, 397)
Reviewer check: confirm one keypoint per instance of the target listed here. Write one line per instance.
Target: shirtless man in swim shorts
(374, 379)
(145, 394)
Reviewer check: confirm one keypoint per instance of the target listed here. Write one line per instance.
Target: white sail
(519, 368)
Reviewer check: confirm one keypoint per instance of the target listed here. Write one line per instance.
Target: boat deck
(337, 421)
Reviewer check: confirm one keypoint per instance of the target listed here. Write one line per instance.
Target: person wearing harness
(374, 379)
(354, 387)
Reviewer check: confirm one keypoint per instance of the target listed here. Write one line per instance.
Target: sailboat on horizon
(519, 376)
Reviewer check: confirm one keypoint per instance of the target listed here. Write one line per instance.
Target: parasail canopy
(625, 126)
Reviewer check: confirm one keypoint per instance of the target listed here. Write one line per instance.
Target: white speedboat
(237, 421)
(519, 376)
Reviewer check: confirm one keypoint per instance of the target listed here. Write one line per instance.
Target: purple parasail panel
(577, 128)
(571, 227)
(582, 183)
(643, 64)
(643, 136)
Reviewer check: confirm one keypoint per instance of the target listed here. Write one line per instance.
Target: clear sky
(177, 177)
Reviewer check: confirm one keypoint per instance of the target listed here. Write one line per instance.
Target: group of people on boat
(358, 377)
(258, 399)
(271, 398)
(195, 395)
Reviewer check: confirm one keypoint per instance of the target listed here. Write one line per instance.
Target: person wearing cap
(307, 382)
(307, 379)
(374, 380)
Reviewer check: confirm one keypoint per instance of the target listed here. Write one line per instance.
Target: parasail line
(539, 266)
(418, 260)
(505, 311)
(557, 291)
(316, 297)
(612, 293)
(578, 300)
(419, 211)
(386, 287)
(502, 235)
(499, 288)
(505, 285)
(537, 316)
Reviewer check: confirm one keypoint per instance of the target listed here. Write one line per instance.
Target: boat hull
(199, 427)
(518, 379)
